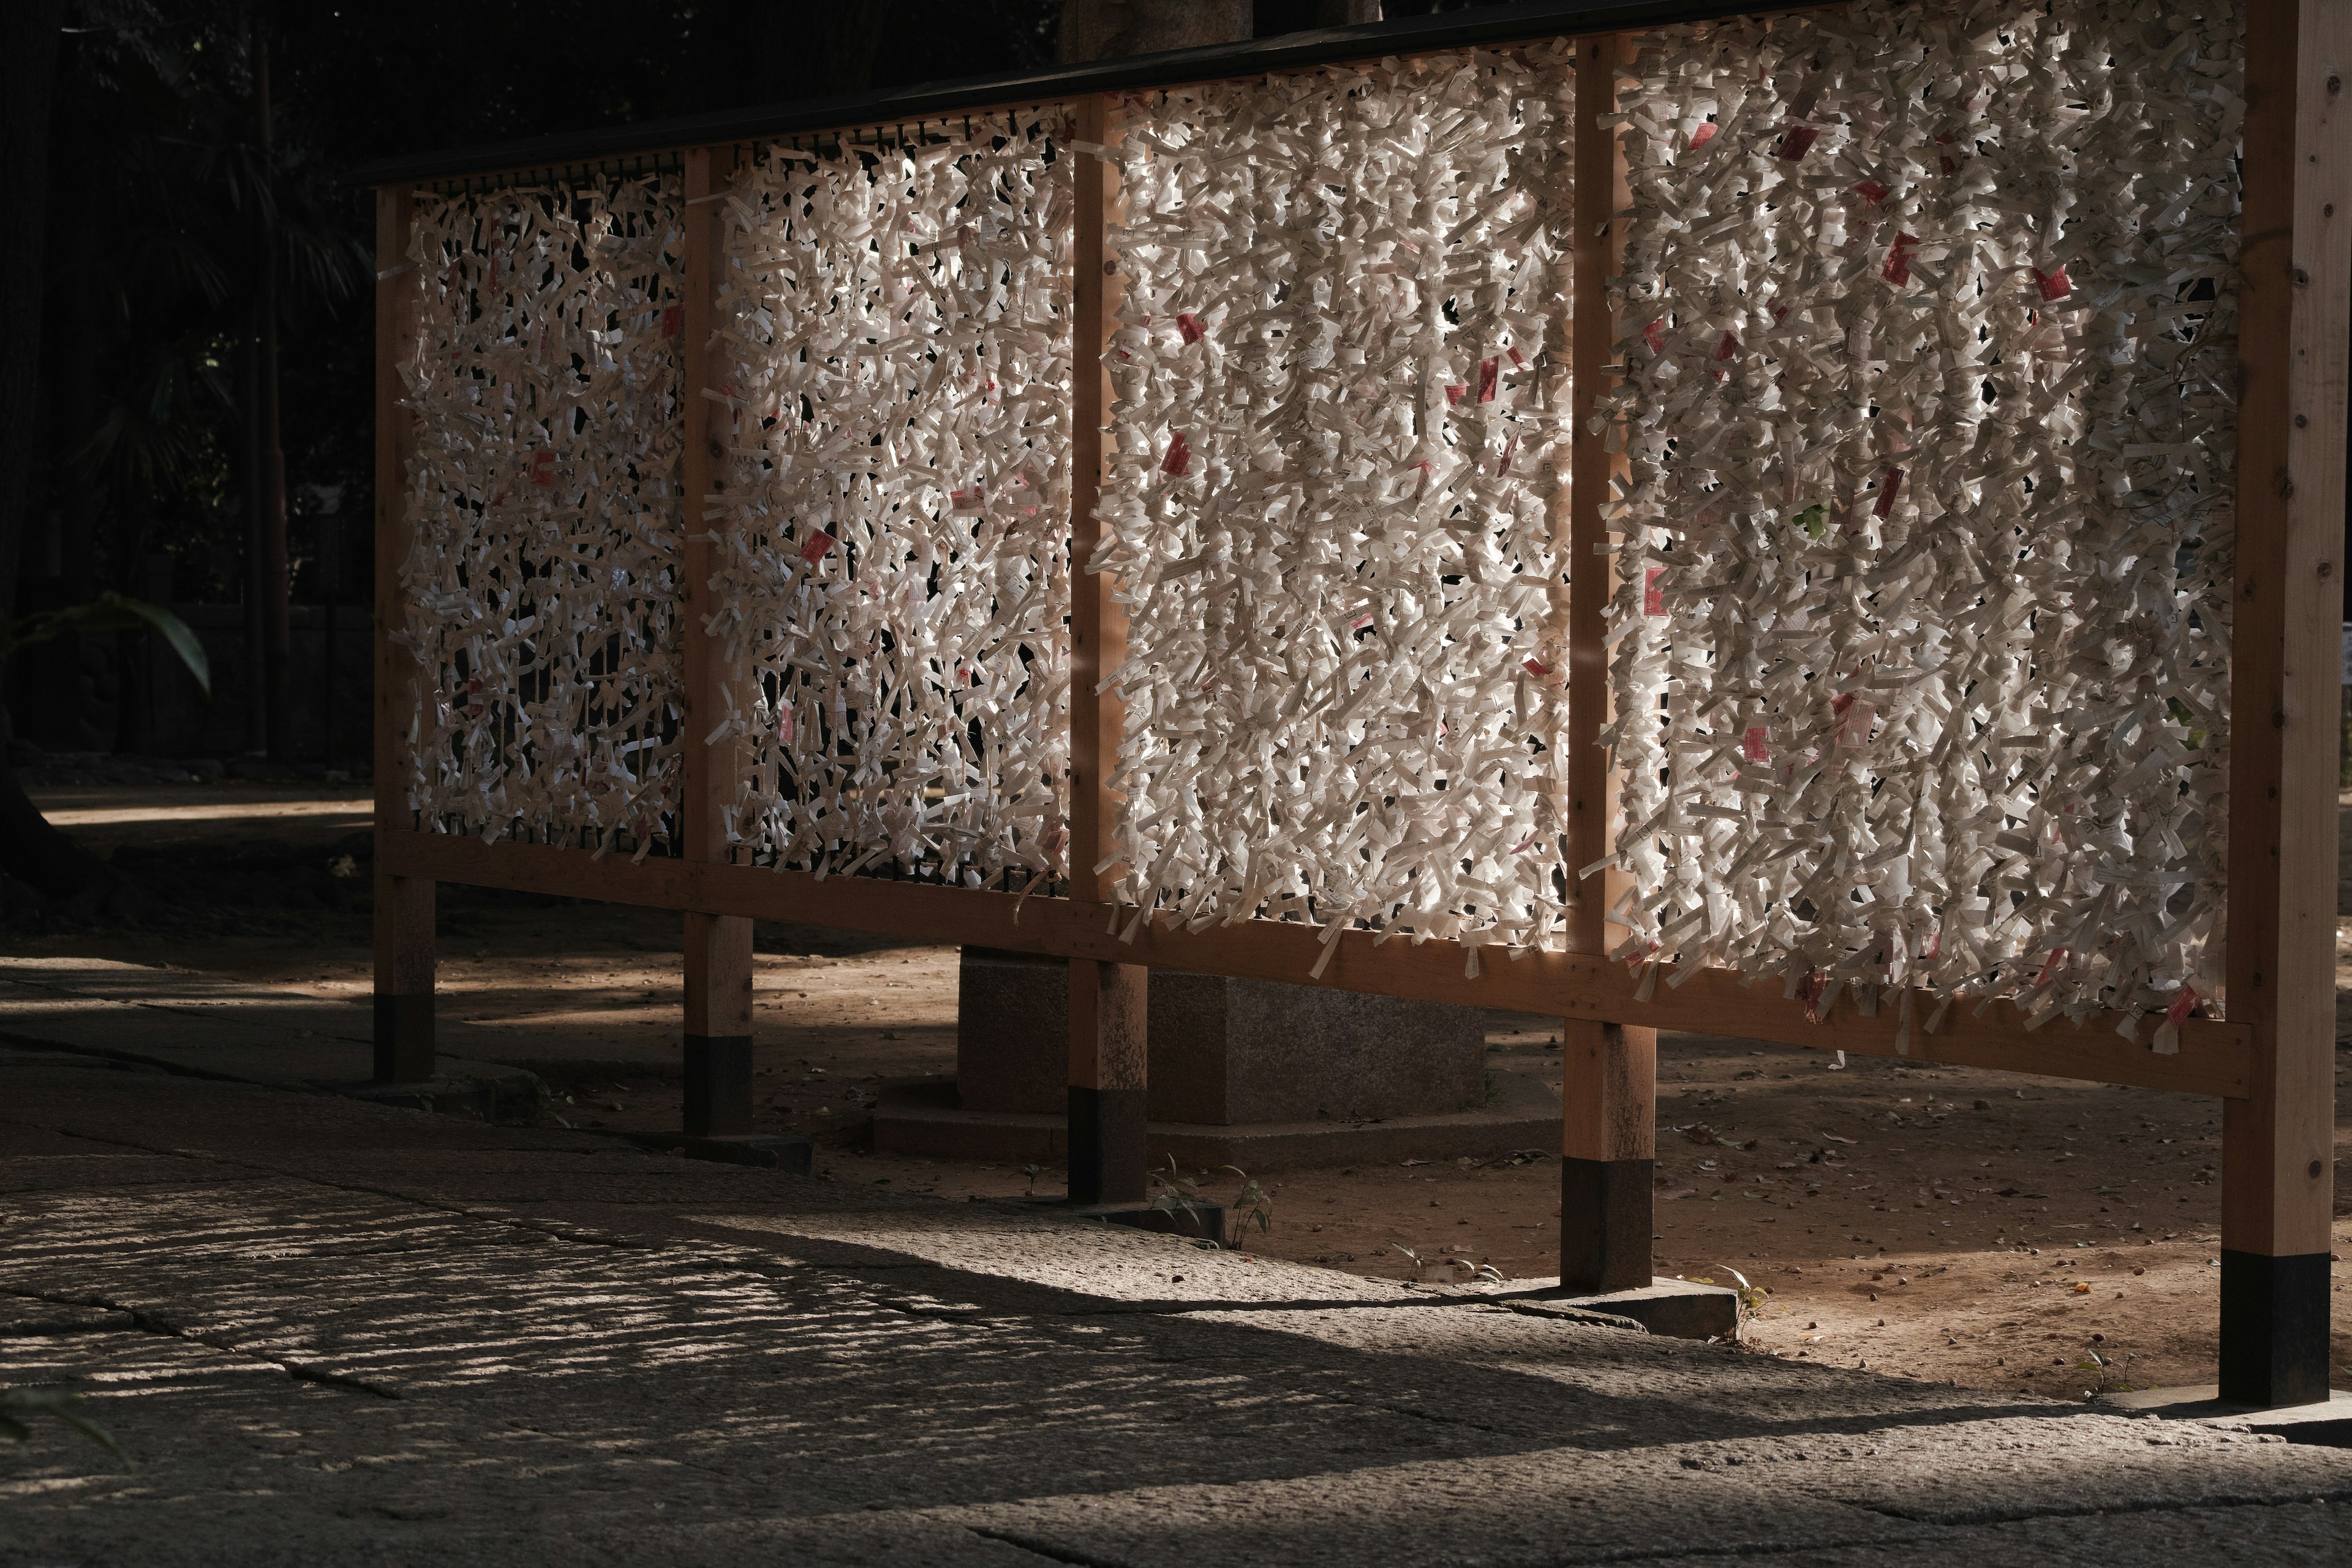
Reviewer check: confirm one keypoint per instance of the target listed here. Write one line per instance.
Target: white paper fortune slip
(893, 538)
(540, 591)
(1341, 408)
(1937, 696)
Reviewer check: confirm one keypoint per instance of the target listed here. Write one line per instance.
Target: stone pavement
(334, 1332)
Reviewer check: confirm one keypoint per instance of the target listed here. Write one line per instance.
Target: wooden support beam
(1108, 1022)
(1609, 1087)
(2295, 308)
(2212, 1058)
(404, 905)
(718, 1045)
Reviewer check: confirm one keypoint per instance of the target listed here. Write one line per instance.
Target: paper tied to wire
(892, 542)
(1339, 408)
(539, 592)
(1949, 516)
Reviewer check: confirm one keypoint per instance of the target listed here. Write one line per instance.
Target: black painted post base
(718, 1086)
(2274, 1329)
(1107, 1145)
(1604, 1224)
(403, 1037)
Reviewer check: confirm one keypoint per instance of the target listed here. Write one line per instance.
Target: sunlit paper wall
(1921, 649)
(540, 592)
(1341, 414)
(893, 585)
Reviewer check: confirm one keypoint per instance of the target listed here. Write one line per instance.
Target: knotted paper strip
(1921, 655)
(1339, 379)
(540, 589)
(892, 542)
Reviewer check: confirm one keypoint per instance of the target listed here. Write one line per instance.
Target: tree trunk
(1105, 29)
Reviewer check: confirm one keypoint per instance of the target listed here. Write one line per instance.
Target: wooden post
(1108, 1023)
(404, 905)
(2296, 274)
(1609, 1087)
(717, 1048)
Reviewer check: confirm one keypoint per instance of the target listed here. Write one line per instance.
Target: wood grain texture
(1097, 623)
(718, 974)
(2296, 265)
(404, 905)
(1608, 1084)
(2212, 1057)
(397, 698)
(1107, 1005)
(1609, 1091)
(717, 948)
(1108, 1011)
(1601, 191)
(711, 772)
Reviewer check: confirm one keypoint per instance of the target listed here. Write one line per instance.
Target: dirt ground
(1946, 1223)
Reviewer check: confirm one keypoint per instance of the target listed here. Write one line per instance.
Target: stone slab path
(333, 1332)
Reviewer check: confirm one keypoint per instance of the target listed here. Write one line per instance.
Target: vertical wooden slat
(717, 1044)
(1609, 1082)
(404, 905)
(1107, 1018)
(2295, 266)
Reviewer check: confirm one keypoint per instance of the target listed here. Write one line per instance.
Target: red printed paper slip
(1755, 744)
(784, 725)
(1190, 325)
(813, 547)
(1855, 722)
(1655, 334)
(1490, 372)
(1871, 191)
(1702, 135)
(542, 468)
(1653, 596)
(2054, 284)
(2184, 1002)
(1889, 486)
(1817, 982)
(1728, 346)
(2057, 960)
(673, 319)
(1898, 269)
(1180, 455)
(1536, 668)
(1456, 393)
(1795, 142)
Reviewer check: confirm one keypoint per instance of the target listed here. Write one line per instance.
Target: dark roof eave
(1515, 23)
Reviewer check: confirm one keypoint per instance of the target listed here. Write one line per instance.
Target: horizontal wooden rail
(2212, 1059)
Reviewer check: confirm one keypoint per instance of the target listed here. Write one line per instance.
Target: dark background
(148, 289)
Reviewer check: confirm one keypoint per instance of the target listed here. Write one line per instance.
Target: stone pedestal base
(1242, 1072)
(1223, 1052)
(2328, 1422)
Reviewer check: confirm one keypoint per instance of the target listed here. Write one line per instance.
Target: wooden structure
(2270, 1063)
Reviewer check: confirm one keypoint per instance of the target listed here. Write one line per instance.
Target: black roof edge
(1520, 22)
